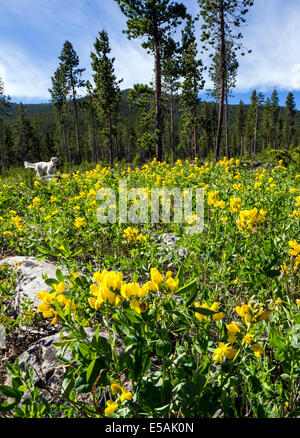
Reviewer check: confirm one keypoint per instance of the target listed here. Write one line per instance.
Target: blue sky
(32, 34)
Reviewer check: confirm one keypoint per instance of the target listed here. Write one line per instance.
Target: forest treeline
(165, 119)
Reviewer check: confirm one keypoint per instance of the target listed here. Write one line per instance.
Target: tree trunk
(64, 135)
(158, 111)
(76, 126)
(94, 146)
(110, 136)
(195, 134)
(242, 146)
(172, 125)
(255, 132)
(1, 155)
(223, 81)
(227, 127)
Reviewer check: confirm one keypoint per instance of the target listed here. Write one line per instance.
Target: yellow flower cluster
(17, 221)
(235, 205)
(109, 287)
(214, 307)
(238, 334)
(250, 219)
(48, 300)
(170, 283)
(132, 235)
(252, 312)
(224, 351)
(123, 395)
(213, 198)
(295, 251)
(79, 222)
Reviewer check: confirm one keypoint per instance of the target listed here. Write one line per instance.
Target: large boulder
(32, 276)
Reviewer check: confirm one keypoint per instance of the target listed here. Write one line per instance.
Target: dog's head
(54, 160)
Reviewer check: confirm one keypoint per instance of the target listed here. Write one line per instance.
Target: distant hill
(45, 110)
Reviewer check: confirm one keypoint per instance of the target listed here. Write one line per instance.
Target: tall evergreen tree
(70, 66)
(142, 97)
(171, 73)
(59, 93)
(25, 142)
(222, 19)
(107, 91)
(206, 123)
(253, 120)
(230, 82)
(193, 82)
(239, 129)
(154, 21)
(267, 123)
(290, 110)
(91, 119)
(275, 110)
(4, 103)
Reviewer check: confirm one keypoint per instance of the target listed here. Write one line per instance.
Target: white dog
(43, 167)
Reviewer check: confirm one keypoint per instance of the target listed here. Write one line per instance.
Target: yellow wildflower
(257, 349)
(111, 407)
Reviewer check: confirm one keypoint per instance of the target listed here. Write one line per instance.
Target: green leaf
(203, 311)
(133, 316)
(180, 275)
(59, 275)
(276, 341)
(50, 281)
(187, 288)
(85, 351)
(8, 391)
(67, 385)
(42, 250)
(82, 386)
(76, 252)
(163, 348)
(94, 369)
(192, 297)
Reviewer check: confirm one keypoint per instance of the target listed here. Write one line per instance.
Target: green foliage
(107, 93)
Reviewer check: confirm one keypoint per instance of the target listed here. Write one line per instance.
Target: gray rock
(31, 280)
(48, 370)
(169, 245)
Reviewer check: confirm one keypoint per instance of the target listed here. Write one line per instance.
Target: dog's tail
(28, 165)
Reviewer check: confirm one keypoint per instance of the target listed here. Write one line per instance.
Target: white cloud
(27, 62)
(273, 33)
(22, 77)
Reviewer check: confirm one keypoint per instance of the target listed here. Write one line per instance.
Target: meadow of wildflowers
(217, 330)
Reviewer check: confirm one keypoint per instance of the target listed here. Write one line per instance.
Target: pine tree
(25, 142)
(267, 123)
(107, 91)
(290, 110)
(142, 97)
(91, 119)
(230, 82)
(193, 83)
(4, 104)
(154, 21)
(239, 129)
(275, 115)
(59, 93)
(171, 73)
(222, 18)
(253, 121)
(206, 124)
(70, 66)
